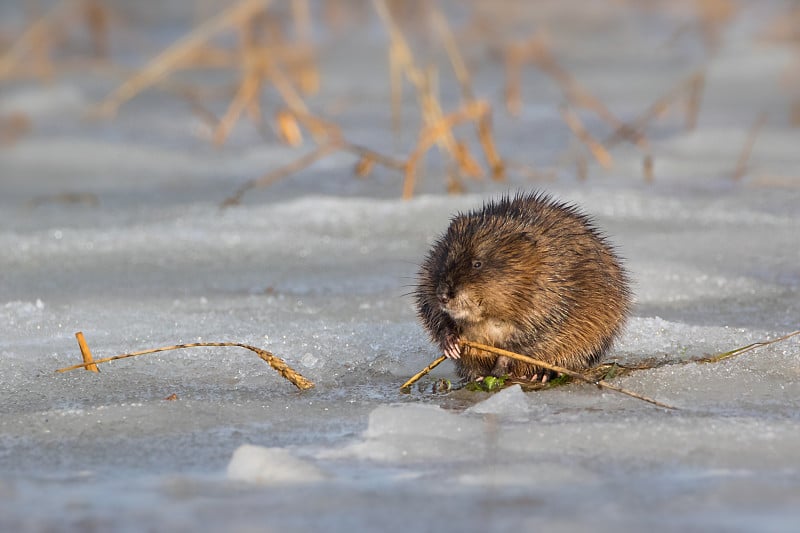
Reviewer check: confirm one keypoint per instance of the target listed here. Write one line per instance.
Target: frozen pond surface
(317, 267)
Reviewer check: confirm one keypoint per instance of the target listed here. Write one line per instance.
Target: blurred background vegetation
(455, 75)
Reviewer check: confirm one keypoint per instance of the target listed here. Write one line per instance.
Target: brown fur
(526, 274)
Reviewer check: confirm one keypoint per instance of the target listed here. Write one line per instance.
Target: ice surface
(277, 466)
(318, 269)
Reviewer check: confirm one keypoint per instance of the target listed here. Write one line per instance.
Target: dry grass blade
(416, 377)
(169, 59)
(597, 150)
(743, 349)
(484, 123)
(433, 133)
(13, 127)
(245, 96)
(86, 353)
(747, 149)
(282, 172)
(696, 85)
(424, 83)
(97, 18)
(566, 371)
(634, 131)
(513, 82)
(272, 360)
(29, 40)
(372, 155)
(288, 128)
(574, 92)
(647, 168)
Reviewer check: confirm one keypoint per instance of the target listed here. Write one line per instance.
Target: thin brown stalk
(696, 85)
(272, 360)
(634, 131)
(396, 88)
(738, 351)
(30, 39)
(86, 353)
(747, 148)
(281, 172)
(97, 17)
(571, 373)
(432, 133)
(647, 168)
(170, 58)
(513, 82)
(416, 377)
(539, 52)
(573, 121)
(424, 83)
(484, 123)
(372, 155)
(13, 127)
(247, 93)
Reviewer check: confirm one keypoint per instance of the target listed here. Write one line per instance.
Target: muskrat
(527, 274)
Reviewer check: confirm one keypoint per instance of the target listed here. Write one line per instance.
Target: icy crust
(556, 443)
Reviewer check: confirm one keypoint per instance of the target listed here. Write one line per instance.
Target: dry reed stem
(727, 355)
(424, 82)
(513, 70)
(33, 39)
(372, 155)
(634, 131)
(96, 16)
(484, 123)
(288, 128)
(696, 85)
(416, 377)
(245, 96)
(747, 148)
(279, 173)
(272, 360)
(170, 58)
(13, 127)
(334, 145)
(396, 89)
(86, 353)
(432, 133)
(566, 371)
(364, 167)
(306, 74)
(573, 121)
(322, 130)
(647, 168)
(539, 53)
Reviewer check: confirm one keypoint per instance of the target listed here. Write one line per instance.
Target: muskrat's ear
(531, 238)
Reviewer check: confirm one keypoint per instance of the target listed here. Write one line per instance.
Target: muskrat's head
(484, 267)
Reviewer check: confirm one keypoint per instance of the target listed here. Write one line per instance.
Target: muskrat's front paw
(451, 347)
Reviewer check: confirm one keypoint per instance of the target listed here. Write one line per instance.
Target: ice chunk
(258, 464)
(510, 402)
(400, 433)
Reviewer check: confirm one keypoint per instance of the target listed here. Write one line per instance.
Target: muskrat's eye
(477, 264)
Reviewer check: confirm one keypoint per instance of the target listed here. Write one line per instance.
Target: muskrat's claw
(452, 347)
